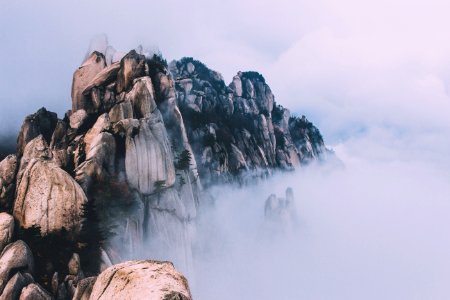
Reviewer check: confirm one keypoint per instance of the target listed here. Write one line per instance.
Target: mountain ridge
(126, 171)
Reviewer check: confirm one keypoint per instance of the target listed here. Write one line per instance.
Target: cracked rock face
(47, 196)
(145, 279)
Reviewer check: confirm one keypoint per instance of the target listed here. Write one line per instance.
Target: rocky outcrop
(238, 129)
(8, 170)
(16, 256)
(150, 280)
(15, 285)
(42, 123)
(6, 230)
(82, 79)
(280, 214)
(34, 291)
(47, 196)
(84, 288)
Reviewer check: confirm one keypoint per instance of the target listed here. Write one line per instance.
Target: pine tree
(184, 160)
(92, 237)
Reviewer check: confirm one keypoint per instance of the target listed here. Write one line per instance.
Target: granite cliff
(122, 175)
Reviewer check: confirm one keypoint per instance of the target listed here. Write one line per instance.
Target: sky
(373, 75)
(348, 65)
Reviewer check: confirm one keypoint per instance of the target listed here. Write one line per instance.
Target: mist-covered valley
(367, 229)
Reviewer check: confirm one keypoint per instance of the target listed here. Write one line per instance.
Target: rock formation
(239, 129)
(280, 214)
(8, 169)
(121, 176)
(6, 230)
(16, 269)
(141, 280)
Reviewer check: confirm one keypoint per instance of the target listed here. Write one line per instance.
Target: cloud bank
(372, 230)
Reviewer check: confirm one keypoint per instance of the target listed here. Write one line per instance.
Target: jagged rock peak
(239, 129)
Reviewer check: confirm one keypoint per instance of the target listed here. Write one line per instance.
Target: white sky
(348, 65)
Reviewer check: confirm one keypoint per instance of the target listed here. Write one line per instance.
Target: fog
(374, 229)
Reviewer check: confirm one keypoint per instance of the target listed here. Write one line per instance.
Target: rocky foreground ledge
(144, 279)
(124, 174)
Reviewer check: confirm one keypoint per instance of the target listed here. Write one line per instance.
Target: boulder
(82, 77)
(236, 86)
(84, 288)
(36, 149)
(42, 122)
(142, 96)
(48, 197)
(132, 66)
(99, 161)
(8, 170)
(59, 144)
(77, 118)
(6, 230)
(34, 291)
(74, 264)
(123, 110)
(15, 256)
(15, 285)
(145, 279)
(103, 78)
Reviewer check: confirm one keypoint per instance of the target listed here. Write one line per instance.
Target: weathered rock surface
(239, 129)
(77, 118)
(132, 66)
(47, 196)
(83, 77)
(8, 170)
(84, 288)
(15, 285)
(42, 123)
(34, 291)
(15, 256)
(150, 280)
(6, 229)
(149, 157)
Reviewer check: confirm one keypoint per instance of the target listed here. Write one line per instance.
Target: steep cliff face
(238, 130)
(121, 176)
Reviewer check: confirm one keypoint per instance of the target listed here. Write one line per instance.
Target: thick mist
(376, 228)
